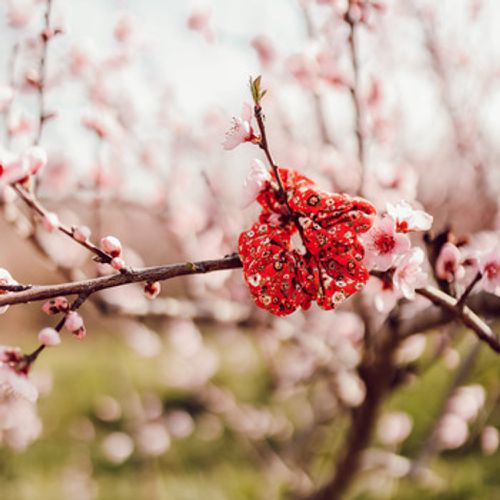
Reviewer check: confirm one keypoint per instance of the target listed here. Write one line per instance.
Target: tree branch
(90, 286)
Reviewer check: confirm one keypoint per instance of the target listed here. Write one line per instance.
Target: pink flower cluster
(241, 131)
(19, 423)
(388, 247)
(18, 168)
(458, 264)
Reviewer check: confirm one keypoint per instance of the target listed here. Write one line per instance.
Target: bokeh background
(198, 394)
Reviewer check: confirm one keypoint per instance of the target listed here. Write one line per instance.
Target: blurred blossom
(20, 12)
(242, 130)
(408, 219)
(489, 440)
(265, 49)
(185, 337)
(467, 401)
(179, 423)
(449, 263)
(117, 447)
(394, 428)
(209, 427)
(255, 182)
(451, 432)
(409, 275)
(490, 268)
(107, 408)
(411, 349)
(82, 429)
(145, 342)
(393, 464)
(153, 439)
(199, 20)
(5, 279)
(451, 358)
(6, 96)
(351, 389)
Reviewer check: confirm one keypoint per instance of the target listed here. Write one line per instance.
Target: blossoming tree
(351, 261)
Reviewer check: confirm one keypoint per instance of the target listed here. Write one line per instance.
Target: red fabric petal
(282, 279)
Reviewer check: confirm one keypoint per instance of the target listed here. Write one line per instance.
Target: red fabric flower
(327, 269)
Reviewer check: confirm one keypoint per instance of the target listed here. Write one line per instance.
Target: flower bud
(49, 337)
(81, 233)
(112, 246)
(73, 322)
(152, 289)
(118, 263)
(50, 221)
(36, 158)
(55, 306)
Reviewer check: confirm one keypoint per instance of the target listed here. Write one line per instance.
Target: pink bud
(152, 289)
(112, 246)
(50, 221)
(80, 333)
(49, 337)
(73, 322)
(55, 306)
(117, 263)
(6, 96)
(36, 158)
(81, 233)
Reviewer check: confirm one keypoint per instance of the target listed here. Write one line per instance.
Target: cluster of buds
(5, 279)
(56, 306)
(74, 324)
(19, 168)
(113, 247)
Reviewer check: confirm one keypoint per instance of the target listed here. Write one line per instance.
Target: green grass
(61, 465)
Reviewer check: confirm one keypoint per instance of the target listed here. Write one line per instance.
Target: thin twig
(468, 290)
(42, 76)
(353, 91)
(38, 208)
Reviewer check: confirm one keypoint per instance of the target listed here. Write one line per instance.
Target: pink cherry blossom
(449, 263)
(117, 447)
(19, 14)
(265, 50)
(12, 168)
(490, 268)
(74, 322)
(19, 423)
(451, 432)
(407, 219)
(111, 245)
(241, 131)
(81, 233)
(394, 427)
(6, 97)
(490, 440)
(383, 245)
(117, 263)
(255, 182)
(49, 337)
(51, 221)
(5, 279)
(35, 159)
(409, 275)
(199, 20)
(14, 383)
